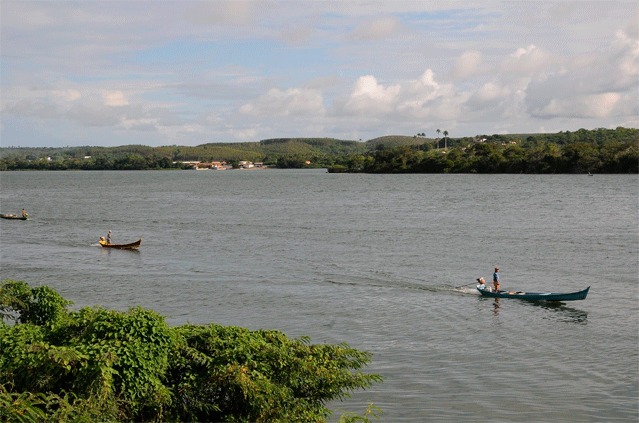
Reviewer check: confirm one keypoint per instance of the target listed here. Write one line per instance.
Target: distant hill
(397, 141)
(257, 150)
(268, 150)
(284, 152)
(277, 147)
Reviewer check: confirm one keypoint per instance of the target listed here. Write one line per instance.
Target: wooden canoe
(13, 216)
(132, 246)
(536, 296)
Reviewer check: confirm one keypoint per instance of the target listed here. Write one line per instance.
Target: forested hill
(594, 151)
(335, 154)
(285, 152)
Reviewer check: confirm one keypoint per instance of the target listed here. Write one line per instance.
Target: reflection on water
(554, 310)
(561, 312)
(118, 251)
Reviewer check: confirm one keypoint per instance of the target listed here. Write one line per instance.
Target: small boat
(536, 296)
(13, 216)
(132, 246)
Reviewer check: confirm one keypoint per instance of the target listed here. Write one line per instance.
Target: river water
(370, 260)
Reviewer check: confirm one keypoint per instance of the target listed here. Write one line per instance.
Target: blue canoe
(536, 296)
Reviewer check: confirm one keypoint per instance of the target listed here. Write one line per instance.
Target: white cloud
(528, 61)
(296, 36)
(626, 53)
(426, 98)
(370, 97)
(245, 134)
(290, 102)
(93, 114)
(222, 12)
(376, 29)
(468, 64)
(426, 88)
(91, 107)
(144, 124)
(114, 98)
(590, 86)
(67, 95)
(491, 91)
(586, 106)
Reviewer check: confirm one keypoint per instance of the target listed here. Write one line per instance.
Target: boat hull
(537, 296)
(13, 216)
(132, 246)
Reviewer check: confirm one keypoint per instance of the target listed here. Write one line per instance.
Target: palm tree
(438, 132)
(445, 143)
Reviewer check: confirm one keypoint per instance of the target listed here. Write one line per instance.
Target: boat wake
(378, 283)
(467, 290)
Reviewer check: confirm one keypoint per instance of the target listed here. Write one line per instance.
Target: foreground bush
(97, 364)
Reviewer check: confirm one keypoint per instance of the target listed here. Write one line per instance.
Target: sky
(156, 73)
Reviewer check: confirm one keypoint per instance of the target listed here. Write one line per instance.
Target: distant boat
(536, 296)
(13, 216)
(132, 246)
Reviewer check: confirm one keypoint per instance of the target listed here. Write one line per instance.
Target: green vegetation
(284, 153)
(103, 365)
(598, 150)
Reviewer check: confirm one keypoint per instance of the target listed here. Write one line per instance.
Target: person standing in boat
(496, 284)
(25, 214)
(108, 239)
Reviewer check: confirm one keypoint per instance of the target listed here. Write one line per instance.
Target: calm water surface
(373, 261)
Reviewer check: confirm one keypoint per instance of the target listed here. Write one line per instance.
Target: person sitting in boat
(25, 214)
(482, 284)
(496, 284)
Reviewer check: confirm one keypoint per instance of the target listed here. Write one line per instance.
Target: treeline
(598, 151)
(102, 162)
(103, 365)
(284, 153)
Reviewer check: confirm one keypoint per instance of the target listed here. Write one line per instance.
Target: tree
(97, 364)
(487, 158)
(543, 158)
(39, 306)
(445, 140)
(580, 158)
(438, 132)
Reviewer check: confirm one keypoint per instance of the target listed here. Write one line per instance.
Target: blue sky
(109, 73)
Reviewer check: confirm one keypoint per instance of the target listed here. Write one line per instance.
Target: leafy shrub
(97, 364)
(260, 376)
(40, 306)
